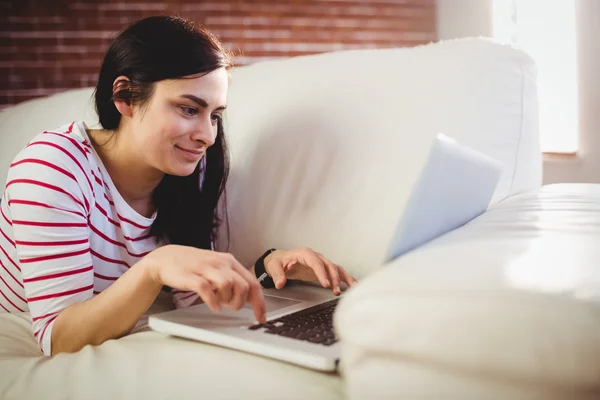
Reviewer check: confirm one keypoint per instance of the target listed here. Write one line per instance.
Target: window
(546, 30)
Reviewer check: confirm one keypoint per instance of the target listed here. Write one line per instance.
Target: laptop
(299, 327)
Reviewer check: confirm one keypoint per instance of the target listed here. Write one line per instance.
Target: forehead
(211, 87)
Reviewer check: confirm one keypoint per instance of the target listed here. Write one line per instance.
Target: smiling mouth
(192, 153)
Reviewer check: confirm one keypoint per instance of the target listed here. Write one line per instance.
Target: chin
(181, 170)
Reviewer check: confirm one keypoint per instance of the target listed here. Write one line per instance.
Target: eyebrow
(201, 102)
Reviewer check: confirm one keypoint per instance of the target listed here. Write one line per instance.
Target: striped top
(66, 234)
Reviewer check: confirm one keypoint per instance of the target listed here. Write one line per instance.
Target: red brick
(47, 46)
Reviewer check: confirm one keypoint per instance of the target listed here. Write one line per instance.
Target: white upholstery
(326, 149)
(149, 365)
(512, 299)
(325, 152)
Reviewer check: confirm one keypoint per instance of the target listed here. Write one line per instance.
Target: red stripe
(72, 157)
(110, 260)
(65, 243)
(138, 238)
(98, 180)
(60, 294)
(108, 278)
(10, 259)
(2, 212)
(38, 204)
(131, 222)
(44, 316)
(11, 289)
(6, 237)
(46, 327)
(51, 224)
(107, 199)
(4, 308)
(103, 211)
(11, 275)
(54, 256)
(112, 241)
(70, 139)
(47, 164)
(13, 304)
(48, 186)
(58, 274)
(70, 127)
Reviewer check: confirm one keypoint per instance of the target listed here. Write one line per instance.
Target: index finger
(255, 293)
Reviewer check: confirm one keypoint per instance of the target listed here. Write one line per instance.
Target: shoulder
(63, 146)
(59, 157)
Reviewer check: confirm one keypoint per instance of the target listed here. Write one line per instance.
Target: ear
(123, 105)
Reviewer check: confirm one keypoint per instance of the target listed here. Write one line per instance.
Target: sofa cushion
(149, 365)
(512, 298)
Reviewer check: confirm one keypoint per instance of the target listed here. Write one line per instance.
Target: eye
(189, 111)
(217, 118)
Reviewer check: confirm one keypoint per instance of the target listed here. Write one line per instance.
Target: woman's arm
(109, 315)
(218, 278)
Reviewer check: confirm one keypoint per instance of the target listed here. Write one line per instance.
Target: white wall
(586, 166)
(464, 18)
(460, 18)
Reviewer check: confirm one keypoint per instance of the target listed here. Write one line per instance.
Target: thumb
(275, 269)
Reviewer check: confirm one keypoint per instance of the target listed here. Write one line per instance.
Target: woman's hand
(306, 265)
(218, 278)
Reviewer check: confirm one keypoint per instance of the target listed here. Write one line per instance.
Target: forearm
(109, 315)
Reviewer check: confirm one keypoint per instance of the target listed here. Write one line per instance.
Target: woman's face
(173, 131)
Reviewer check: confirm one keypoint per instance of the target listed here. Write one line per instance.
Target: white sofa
(325, 152)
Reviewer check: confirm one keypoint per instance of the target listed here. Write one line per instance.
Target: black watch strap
(261, 274)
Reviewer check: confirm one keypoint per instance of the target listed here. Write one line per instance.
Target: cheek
(164, 130)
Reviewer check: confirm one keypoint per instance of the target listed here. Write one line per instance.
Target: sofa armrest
(492, 310)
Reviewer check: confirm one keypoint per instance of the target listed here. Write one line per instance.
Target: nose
(205, 132)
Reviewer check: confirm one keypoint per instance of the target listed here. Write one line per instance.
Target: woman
(95, 222)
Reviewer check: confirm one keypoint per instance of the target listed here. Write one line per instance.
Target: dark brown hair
(151, 50)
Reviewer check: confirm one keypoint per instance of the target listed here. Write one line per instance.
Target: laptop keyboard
(314, 324)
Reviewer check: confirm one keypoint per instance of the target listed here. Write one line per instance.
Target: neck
(134, 180)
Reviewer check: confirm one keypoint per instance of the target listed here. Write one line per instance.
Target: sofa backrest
(326, 148)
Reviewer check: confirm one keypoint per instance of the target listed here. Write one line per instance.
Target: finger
(206, 292)
(346, 277)
(332, 269)
(240, 292)
(275, 269)
(311, 260)
(255, 294)
(257, 299)
(222, 280)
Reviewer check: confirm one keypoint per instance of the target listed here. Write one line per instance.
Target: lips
(191, 153)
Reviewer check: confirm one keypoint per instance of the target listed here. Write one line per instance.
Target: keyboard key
(314, 324)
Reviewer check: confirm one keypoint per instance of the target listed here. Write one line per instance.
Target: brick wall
(48, 46)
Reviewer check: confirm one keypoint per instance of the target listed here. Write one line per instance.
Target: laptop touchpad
(274, 303)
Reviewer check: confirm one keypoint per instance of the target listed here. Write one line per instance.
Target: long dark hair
(151, 50)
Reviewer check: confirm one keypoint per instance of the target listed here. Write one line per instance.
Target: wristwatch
(261, 274)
